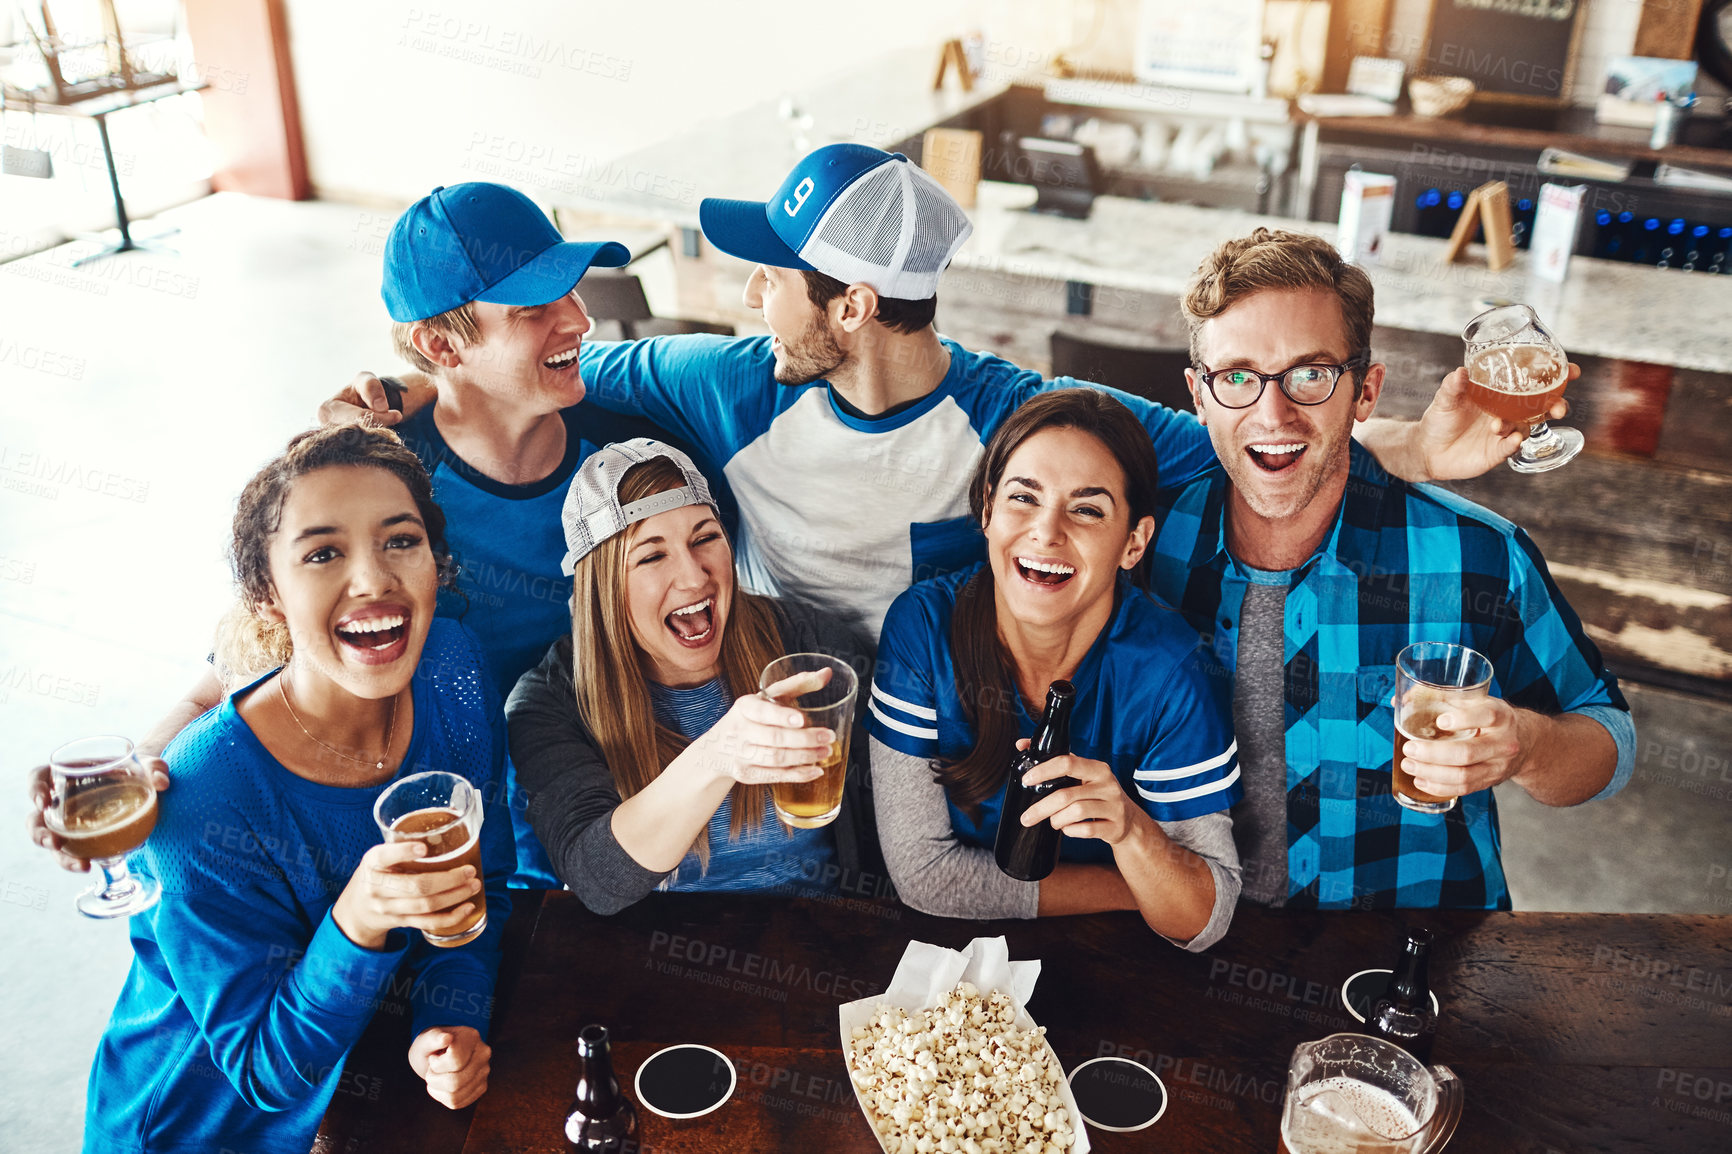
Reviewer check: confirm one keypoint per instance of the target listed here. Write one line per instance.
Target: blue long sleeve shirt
(244, 997)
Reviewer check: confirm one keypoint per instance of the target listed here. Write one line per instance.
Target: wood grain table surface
(1570, 1032)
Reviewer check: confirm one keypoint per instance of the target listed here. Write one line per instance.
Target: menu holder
(953, 53)
(1487, 205)
(925, 975)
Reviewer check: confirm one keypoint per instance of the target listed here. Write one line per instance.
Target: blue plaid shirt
(1403, 563)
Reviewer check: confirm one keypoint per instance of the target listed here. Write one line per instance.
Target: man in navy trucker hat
(849, 433)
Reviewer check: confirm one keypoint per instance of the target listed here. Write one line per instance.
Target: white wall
(397, 97)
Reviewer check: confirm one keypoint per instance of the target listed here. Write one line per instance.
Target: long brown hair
(610, 670)
(247, 644)
(985, 681)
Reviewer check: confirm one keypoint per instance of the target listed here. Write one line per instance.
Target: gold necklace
(283, 689)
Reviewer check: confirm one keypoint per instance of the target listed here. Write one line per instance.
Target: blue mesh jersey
(1144, 705)
(244, 997)
(1403, 563)
(771, 857)
(838, 510)
(509, 545)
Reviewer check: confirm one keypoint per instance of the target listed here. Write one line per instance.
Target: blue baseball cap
(482, 242)
(850, 211)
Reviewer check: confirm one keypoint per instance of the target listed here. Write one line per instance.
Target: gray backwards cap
(592, 512)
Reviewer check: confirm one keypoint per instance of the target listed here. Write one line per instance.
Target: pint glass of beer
(444, 811)
(102, 808)
(1516, 370)
(809, 804)
(1430, 677)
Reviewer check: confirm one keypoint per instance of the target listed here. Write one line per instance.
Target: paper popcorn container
(924, 978)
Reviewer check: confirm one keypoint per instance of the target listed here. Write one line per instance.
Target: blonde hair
(1275, 259)
(458, 323)
(610, 672)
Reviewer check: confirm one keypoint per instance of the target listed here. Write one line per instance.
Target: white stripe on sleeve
(902, 726)
(907, 707)
(1189, 770)
(1175, 795)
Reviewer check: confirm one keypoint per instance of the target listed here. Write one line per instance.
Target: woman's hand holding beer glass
(381, 897)
(760, 741)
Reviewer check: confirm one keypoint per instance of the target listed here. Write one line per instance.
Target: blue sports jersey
(1402, 563)
(1144, 705)
(244, 997)
(509, 545)
(835, 510)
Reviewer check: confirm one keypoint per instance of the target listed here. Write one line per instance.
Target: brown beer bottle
(601, 1117)
(1403, 1015)
(1029, 853)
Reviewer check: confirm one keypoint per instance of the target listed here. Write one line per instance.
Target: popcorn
(960, 1078)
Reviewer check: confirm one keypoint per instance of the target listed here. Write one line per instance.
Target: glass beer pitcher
(1351, 1092)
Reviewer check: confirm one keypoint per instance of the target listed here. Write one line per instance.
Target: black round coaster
(1361, 991)
(1118, 1094)
(685, 1081)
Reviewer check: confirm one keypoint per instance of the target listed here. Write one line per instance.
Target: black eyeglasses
(1303, 384)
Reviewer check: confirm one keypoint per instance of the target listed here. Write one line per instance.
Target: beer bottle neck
(1410, 985)
(1052, 737)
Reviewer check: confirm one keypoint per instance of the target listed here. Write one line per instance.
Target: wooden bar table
(1570, 1032)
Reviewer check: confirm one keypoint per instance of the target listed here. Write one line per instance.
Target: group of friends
(557, 568)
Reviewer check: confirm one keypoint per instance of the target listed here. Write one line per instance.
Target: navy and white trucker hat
(856, 213)
(592, 512)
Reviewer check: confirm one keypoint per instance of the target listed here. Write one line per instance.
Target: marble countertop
(748, 154)
(1605, 308)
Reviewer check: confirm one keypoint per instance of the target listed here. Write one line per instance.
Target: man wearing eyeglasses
(1307, 567)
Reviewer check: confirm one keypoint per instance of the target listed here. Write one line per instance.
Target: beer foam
(447, 829)
(1343, 1115)
(1517, 369)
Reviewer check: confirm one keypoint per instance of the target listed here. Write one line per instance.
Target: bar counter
(1605, 308)
(1570, 1032)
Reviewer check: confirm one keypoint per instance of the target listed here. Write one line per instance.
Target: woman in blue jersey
(1065, 492)
(646, 751)
(282, 922)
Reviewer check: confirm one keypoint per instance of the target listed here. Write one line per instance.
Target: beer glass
(1515, 371)
(810, 804)
(1352, 1093)
(102, 807)
(444, 811)
(1430, 677)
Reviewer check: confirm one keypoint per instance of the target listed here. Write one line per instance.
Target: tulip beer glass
(809, 804)
(1515, 370)
(103, 807)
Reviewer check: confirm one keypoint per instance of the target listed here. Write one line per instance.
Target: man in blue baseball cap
(848, 435)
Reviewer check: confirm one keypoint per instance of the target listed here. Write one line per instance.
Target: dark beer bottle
(1029, 853)
(601, 1117)
(1403, 1015)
